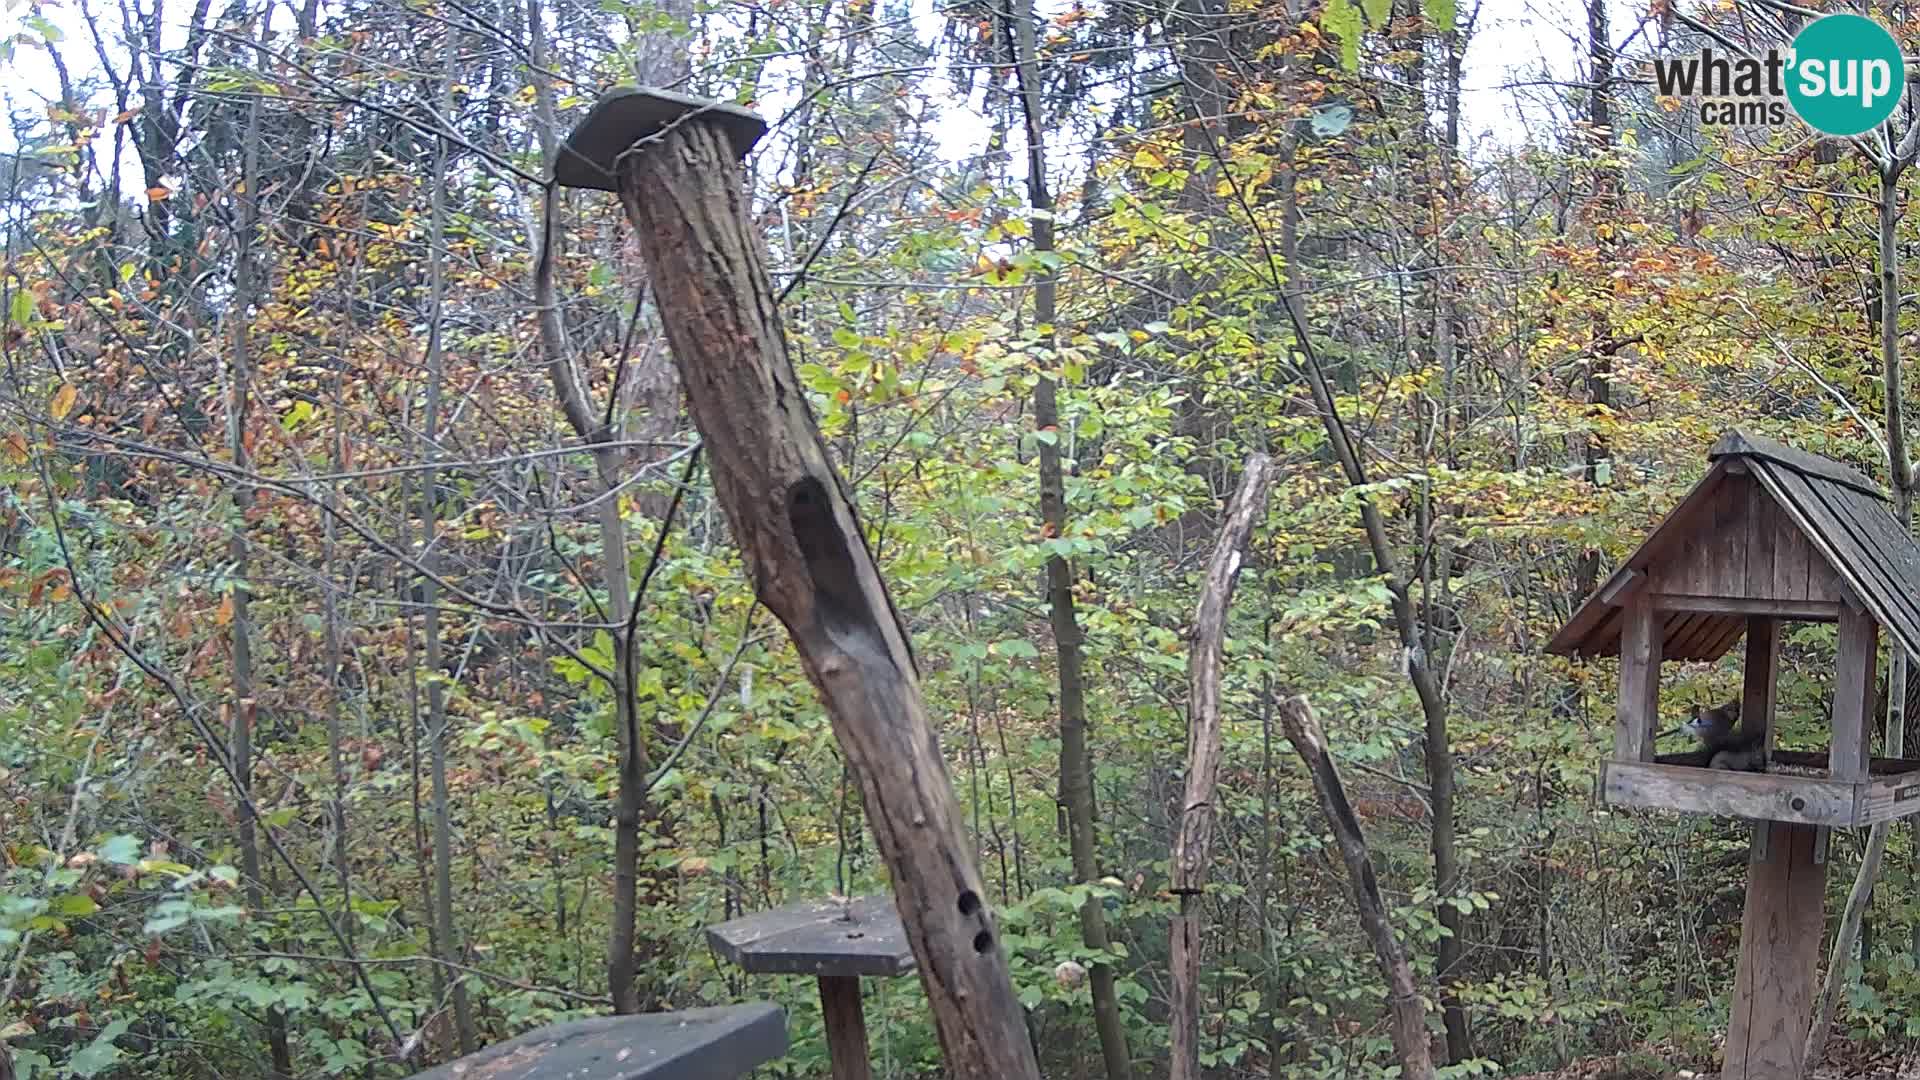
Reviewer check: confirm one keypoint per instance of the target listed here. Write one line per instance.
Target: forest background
(375, 682)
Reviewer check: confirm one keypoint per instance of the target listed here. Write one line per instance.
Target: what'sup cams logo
(1842, 75)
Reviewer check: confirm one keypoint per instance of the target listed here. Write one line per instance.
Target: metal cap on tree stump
(590, 157)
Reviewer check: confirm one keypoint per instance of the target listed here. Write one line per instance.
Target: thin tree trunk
(653, 384)
(1408, 1012)
(336, 659)
(247, 290)
(1192, 845)
(1847, 936)
(437, 720)
(1606, 184)
(1076, 764)
(1436, 746)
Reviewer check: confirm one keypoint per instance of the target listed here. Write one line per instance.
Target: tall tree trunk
(1437, 750)
(1847, 936)
(1436, 744)
(336, 653)
(1606, 185)
(652, 387)
(437, 720)
(1076, 764)
(247, 295)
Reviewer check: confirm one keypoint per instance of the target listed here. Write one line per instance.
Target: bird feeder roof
(1769, 530)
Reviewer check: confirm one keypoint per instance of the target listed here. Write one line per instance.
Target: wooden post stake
(1192, 843)
(1779, 957)
(675, 169)
(846, 1024)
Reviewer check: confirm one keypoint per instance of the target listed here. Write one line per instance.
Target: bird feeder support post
(676, 173)
(846, 1023)
(1780, 932)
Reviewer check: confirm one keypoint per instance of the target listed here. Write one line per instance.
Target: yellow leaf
(17, 447)
(63, 401)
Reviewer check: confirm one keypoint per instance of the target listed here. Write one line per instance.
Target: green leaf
(1342, 20)
(122, 849)
(46, 29)
(1015, 648)
(301, 412)
(22, 307)
(100, 1054)
(73, 905)
(1440, 13)
(1377, 11)
(1331, 120)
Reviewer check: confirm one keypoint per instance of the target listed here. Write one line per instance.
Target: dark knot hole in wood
(983, 942)
(969, 902)
(840, 606)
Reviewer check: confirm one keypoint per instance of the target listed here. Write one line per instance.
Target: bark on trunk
(796, 526)
(1847, 936)
(650, 385)
(247, 290)
(437, 720)
(1076, 762)
(1408, 1012)
(1193, 843)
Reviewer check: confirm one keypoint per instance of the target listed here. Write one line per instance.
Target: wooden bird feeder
(837, 943)
(1770, 535)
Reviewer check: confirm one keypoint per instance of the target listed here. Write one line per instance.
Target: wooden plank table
(722, 1043)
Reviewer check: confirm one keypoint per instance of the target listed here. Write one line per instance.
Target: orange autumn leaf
(17, 447)
(225, 614)
(158, 192)
(63, 400)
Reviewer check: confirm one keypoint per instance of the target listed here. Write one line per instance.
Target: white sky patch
(1521, 50)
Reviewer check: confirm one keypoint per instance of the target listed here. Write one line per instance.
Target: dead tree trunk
(796, 526)
(1194, 840)
(1408, 1011)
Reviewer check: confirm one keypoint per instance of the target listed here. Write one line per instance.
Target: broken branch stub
(797, 528)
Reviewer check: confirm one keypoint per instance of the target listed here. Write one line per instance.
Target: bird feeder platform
(1796, 788)
(837, 942)
(722, 1043)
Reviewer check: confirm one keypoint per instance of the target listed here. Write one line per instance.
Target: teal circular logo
(1844, 74)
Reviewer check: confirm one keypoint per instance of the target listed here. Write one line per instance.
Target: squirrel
(1722, 747)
